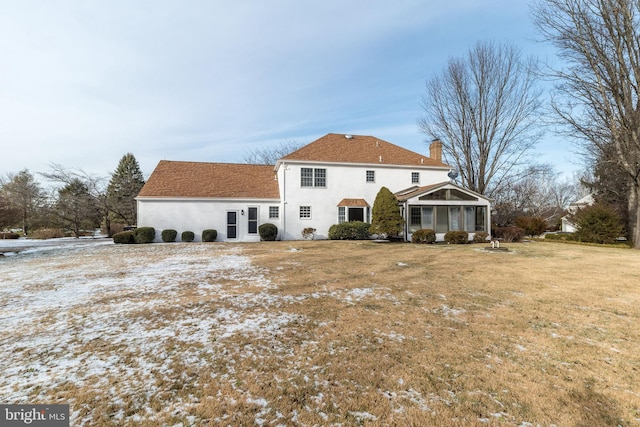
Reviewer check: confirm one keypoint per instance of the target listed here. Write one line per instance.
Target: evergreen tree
(124, 186)
(598, 223)
(386, 218)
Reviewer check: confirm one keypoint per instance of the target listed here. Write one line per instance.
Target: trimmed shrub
(560, 236)
(268, 232)
(9, 236)
(508, 234)
(124, 237)
(353, 230)
(187, 236)
(597, 224)
(532, 225)
(424, 235)
(480, 237)
(456, 237)
(144, 234)
(209, 235)
(169, 235)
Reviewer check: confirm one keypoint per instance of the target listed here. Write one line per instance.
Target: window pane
(427, 217)
(231, 225)
(253, 214)
(415, 177)
(274, 212)
(320, 177)
(414, 218)
(481, 218)
(305, 212)
(470, 219)
(306, 177)
(454, 217)
(341, 215)
(442, 219)
(252, 222)
(231, 218)
(371, 176)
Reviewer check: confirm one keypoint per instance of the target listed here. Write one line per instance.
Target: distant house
(567, 225)
(331, 180)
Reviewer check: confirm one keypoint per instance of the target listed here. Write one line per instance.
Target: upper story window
(415, 177)
(371, 176)
(313, 177)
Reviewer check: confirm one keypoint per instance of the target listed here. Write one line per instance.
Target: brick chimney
(435, 150)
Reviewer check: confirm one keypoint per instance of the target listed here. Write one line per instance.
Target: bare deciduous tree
(484, 107)
(598, 95)
(81, 202)
(270, 155)
(539, 193)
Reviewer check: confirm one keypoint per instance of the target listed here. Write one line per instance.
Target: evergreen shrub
(599, 223)
(268, 232)
(169, 235)
(124, 237)
(424, 235)
(144, 234)
(480, 237)
(353, 230)
(456, 237)
(560, 236)
(209, 235)
(508, 234)
(187, 236)
(385, 215)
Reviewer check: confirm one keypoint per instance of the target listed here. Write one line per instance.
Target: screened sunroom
(444, 207)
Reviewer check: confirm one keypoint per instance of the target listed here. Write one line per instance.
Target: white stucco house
(567, 225)
(328, 181)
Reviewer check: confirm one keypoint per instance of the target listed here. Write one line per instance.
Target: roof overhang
(416, 192)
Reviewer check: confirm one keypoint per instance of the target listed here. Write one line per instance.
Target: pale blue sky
(84, 82)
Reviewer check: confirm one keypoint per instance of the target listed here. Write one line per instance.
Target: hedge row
(9, 236)
(352, 230)
(148, 235)
(426, 235)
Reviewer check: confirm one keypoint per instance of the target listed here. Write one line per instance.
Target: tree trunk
(634, 217)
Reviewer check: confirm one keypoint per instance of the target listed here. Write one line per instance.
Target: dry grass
(358, 333)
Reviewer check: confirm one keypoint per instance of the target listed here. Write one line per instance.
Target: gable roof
(353, 203)
(409, 193)
(340, 148)
(211, 180)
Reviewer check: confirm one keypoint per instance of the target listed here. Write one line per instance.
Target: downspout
(406, 221)
(284, 201)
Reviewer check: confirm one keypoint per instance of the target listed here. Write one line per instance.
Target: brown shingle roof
(354, 203)
(342, 148)
(197, 179)
(406, 195)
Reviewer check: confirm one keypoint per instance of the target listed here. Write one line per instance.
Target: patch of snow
(362, 416)
(64, 323)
